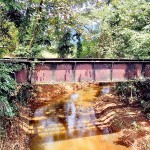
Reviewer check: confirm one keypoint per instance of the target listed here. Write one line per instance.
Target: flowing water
(68, 124)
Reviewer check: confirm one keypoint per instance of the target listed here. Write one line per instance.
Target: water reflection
(74, 96)
(106, 90)
(71, 118)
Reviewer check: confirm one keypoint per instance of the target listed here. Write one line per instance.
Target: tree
(8, 34)
(126, 29)
(115, 29)
(65, 46)
(121, 29)
(41, 24)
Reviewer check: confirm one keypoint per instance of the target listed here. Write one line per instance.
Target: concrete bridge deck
(49, 71)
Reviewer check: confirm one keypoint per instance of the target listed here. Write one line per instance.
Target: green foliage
(65, 46)
(122, 29)
(124, 89)
(7, 83)
(12, 96)
(24, 51)
(8, 34)
(125, 29)
(116, 29)
(6, 109)
(8, 87)
(137, 91)
(37, 22)
(79, 44)
(25, 93)
(89, 49)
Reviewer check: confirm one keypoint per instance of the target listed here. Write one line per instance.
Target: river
(68, 124)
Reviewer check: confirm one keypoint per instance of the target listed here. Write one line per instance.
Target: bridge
(50, 71)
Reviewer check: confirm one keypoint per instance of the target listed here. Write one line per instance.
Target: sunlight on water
(69, 125)
(106, 90)
(74, 96)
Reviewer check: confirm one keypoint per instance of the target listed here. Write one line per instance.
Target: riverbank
(45, 94)
(112, 115)
(128, 121)
(15, 132)
(112, 118)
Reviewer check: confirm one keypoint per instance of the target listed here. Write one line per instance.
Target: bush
(138, 91)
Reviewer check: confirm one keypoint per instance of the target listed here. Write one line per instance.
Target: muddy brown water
(68, 124)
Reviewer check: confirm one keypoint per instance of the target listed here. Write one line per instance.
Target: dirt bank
(129, 121)
(112, 116)
(45, 94)
(15, 137)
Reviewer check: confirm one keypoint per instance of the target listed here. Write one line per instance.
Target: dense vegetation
(136, 92)
(12, 97)
(83, 28)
